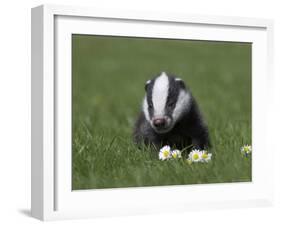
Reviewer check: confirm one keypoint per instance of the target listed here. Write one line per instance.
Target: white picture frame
(52, 197)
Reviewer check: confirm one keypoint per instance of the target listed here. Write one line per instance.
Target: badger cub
(170, 116)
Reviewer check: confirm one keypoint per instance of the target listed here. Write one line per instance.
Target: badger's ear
(180, 82)
(146, 84)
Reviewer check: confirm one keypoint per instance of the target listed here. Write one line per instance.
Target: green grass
(109, 74)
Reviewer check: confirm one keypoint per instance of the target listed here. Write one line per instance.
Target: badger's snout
(159, 122)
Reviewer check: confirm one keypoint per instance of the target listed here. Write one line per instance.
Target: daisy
(206, 157)
(165, 153)
(176, 154)
(246, 149)
(195, 155)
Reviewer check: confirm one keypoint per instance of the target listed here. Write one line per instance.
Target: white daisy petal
(246, 149)
(165, 153)
(176, 154)
(195, 155)
(206, 157)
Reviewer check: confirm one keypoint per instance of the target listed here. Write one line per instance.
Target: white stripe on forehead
(160, 94)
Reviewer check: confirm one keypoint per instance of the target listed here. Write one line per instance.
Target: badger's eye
(171, 104)
(150, 106)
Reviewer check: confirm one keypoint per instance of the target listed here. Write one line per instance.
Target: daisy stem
(187, 148)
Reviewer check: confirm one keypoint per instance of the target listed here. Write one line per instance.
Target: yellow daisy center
(166, 153)
(246, 149)
(204, 155)
(195, 156)
(174, 155)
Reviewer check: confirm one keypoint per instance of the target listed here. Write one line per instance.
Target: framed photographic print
(137, 112)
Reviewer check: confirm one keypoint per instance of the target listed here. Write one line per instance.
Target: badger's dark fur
(170, 116)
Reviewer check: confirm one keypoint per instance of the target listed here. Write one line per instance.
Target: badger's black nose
(159, 122)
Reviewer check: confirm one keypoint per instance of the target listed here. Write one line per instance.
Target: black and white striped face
(165, 101)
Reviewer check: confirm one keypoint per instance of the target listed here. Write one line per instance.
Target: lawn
(108, 77)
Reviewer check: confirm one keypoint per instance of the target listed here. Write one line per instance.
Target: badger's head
(166, 100)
